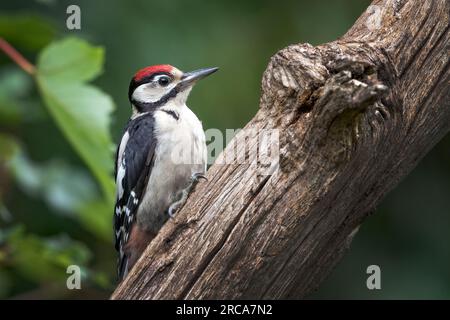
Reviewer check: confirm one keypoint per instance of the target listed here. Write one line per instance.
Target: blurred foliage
(56, 152)
(50, 256)
(39, 32)
(63, 69)
(81, 111)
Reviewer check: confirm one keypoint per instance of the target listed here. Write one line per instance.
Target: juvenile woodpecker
(161, 156)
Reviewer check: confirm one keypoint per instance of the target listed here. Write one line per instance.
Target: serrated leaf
(81, 111)
(70, 60)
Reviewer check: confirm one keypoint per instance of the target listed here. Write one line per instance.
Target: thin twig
(17, 57)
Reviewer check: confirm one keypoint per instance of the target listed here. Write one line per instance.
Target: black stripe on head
(172, 113)
(134, 84)
(148, 106)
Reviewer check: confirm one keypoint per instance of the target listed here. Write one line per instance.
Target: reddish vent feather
(148, 71)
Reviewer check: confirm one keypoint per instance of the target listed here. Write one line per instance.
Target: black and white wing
(134, 161)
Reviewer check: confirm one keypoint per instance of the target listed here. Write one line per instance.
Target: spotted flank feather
(134, 161)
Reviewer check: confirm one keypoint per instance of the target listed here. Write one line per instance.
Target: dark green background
(408, 237)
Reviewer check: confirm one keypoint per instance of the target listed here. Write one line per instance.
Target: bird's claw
(172, 210)
(197, 176)
(178, 204)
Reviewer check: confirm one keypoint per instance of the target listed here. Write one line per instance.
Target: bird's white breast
(180, 152)
(183, 138)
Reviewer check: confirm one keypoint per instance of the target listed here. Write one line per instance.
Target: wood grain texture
(354, 117)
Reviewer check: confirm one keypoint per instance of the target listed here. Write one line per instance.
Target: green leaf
(71, 60)
(81, 111)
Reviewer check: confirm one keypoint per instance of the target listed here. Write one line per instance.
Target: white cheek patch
(151, 92)
(181, 97)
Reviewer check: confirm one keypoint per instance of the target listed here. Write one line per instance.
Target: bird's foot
(196, 177)
(174, 207)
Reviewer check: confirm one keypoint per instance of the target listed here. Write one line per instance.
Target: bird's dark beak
(189, 78)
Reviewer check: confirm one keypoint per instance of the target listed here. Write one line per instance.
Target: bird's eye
(164, 81)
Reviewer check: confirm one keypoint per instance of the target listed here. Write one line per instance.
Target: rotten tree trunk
(354, 116)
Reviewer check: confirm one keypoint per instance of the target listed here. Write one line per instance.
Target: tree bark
(354, 117)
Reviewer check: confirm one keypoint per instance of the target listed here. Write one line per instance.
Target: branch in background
(15, 56)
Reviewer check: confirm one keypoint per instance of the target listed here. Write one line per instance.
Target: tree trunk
(354, 117)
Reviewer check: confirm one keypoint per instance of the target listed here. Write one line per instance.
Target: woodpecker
(160, 158)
